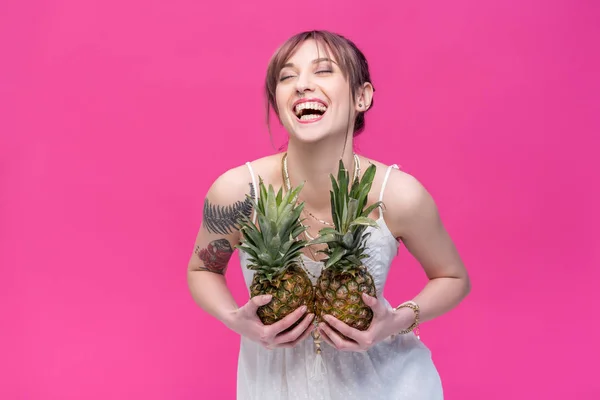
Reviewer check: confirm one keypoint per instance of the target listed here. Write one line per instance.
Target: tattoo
(215, 256)
(222, 219)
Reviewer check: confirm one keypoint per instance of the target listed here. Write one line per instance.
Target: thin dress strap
(256, 191)
(385, 179)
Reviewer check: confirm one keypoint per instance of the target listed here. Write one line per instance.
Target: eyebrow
(315, 61)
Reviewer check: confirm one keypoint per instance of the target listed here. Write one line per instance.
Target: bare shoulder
(400, 185)
(412, 216)
(230, 190)
(406, 200)
(407, 193)
(237, 181)
(231, 185)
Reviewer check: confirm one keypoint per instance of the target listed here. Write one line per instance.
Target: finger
(326, 338)
(375, 305)
(287, 321)
(257, 301)
(338, 342)
(300, 339)
(296, 332)
(344, 329)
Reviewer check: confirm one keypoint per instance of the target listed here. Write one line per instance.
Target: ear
(364, 97)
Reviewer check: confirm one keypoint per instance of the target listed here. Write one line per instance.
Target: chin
(313, 135)
(309, 132)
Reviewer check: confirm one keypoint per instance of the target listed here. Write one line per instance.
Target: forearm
(210, 292)
(441, 295)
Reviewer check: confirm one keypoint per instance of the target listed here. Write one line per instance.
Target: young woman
(387, 361)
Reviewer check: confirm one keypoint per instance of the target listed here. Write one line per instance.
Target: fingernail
(327, 317)
(303, 308)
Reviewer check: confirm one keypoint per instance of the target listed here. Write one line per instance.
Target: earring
(360, 105)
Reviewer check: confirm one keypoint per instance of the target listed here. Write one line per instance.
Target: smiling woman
(336, 57)
(319, 86)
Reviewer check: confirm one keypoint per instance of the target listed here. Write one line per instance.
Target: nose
(304, 83)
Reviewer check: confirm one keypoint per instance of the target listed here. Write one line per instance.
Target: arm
(413, 217)
(214, 246)
(417, 220)
(225, 201)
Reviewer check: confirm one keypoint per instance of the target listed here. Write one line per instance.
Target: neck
(312, 163)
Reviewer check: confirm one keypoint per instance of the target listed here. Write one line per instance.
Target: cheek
(280, 99)
(341, 92)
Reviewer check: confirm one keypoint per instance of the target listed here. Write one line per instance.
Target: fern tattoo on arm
(223, 219)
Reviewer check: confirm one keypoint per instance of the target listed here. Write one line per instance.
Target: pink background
(116, 116)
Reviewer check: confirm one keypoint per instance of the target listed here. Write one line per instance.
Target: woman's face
(312, 95)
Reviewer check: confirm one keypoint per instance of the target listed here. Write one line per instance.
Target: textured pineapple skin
(340, 295)
(291, 290)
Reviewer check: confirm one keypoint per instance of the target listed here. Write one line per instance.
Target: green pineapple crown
(273, 246)
(346, 242)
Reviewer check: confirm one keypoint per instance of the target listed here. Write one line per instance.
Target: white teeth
(313, 105)
(309, 117)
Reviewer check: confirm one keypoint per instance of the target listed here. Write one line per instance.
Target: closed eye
(324, 71)
(283, 78)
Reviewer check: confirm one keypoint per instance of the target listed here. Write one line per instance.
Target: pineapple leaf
(265, 228)
(334, 212)
(344, 227)
(370, 209)
(329, 231)
(354, 188)
(272, 243)
(253, 237)
(289, 199)
(363, 221)
(248, 248)
(271, 211)
(278, 199)
(335, 202)
(354, 260)
(367, 179)
(323, 239)
(365, 186)
(287, 223)
(352, 208)
(335, 256)
(265, 259)
(296, 247)
(282, 203)
(347, 240)
(346, 243)
(298, 230)
(274, 246)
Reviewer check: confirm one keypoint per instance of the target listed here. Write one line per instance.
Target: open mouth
(310, 111)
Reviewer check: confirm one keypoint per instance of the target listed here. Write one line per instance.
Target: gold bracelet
(415, 325)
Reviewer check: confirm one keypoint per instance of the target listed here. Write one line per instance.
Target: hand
(384, 324)
(246, 322)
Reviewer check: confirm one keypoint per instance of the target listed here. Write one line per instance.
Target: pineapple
(274, 253)
(344, 278)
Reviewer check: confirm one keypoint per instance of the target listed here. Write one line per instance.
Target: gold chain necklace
(317, 219)
(288, 186)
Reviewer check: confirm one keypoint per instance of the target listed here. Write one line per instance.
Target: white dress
(398, 368)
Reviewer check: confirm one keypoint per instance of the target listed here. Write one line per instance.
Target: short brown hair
(351, 60)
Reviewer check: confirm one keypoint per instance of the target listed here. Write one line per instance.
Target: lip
(309, 100)
(313, 100)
